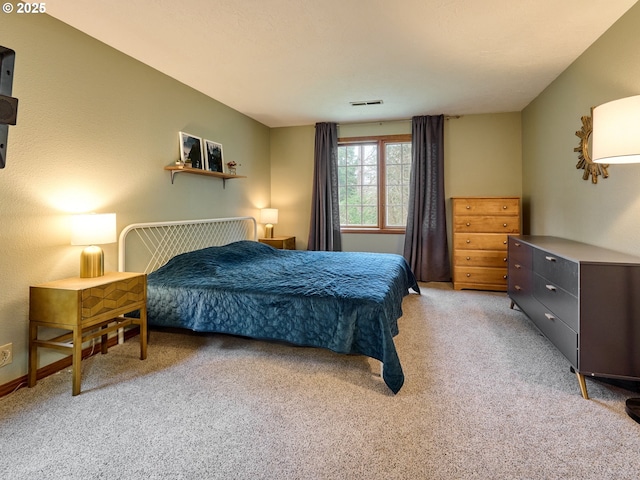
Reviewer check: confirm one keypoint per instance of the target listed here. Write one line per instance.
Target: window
(373, 183)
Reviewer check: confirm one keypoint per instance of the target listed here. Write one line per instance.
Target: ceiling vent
(365, 103)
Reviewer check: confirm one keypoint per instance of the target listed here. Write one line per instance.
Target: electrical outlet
(6, 354)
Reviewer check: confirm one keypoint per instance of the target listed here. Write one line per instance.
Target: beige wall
(482, 157)
(558, 201)
(292, 180)
(95, 129)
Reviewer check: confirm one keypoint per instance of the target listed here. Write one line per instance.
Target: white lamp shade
(93, 229)
(616, 131)
(269, 215)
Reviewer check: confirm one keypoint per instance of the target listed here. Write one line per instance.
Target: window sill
(384, 231)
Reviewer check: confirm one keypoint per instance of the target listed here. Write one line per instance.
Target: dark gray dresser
(584, 299)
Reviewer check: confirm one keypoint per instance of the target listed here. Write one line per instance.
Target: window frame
(381, 141)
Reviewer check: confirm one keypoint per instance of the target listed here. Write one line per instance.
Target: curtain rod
(380, 122)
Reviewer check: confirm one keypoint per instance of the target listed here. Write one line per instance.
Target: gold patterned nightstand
(88, 308)
(283, 243)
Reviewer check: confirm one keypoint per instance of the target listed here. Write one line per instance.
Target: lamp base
(268, 230)
(92, 262)
(633, 408)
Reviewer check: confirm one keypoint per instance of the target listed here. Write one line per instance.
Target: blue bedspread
(346, 302)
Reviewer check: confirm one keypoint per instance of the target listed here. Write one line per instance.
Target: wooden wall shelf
(196, 171)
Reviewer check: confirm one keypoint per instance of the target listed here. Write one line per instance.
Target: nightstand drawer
(112, 296)
(80, 300)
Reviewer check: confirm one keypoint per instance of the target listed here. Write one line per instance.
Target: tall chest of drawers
(584, 299)
(481, 226)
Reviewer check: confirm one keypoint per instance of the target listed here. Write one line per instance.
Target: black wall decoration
(8, 104)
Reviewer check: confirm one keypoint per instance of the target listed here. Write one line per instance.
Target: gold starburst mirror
(584, 153)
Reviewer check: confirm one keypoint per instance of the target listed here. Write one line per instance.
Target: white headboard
(145, 247)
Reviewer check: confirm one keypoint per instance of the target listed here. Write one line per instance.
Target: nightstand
(87, 308)
(282, 243)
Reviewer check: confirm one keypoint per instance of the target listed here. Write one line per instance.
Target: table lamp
(616, 139)
(269, 216)
(92, 230)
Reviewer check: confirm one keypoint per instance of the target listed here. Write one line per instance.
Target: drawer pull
(468, 207)
(504, 259)
(468, 224)
(551, 288)
(468, 258)
(504, 207)
(550, 258)
(504, 224)
(504, 276)
(505, 242)
(518, 287)
(518, 266)
(468, 241)
(517, 244)
(468, 275)
(549, 316)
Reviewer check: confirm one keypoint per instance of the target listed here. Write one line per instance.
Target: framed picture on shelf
(213, 156)
(191, 150)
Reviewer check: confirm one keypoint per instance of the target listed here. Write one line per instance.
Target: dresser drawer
(486, 206)
(558, 300)
(557, 270)
(520, 279)
(558, 333)
(480, 223)
(480, 241)
(520, 286)
(486, 275)
(480, 258)
(520, 253)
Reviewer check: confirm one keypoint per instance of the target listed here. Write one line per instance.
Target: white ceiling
(298, 62)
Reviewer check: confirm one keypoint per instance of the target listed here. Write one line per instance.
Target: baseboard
(61, 364)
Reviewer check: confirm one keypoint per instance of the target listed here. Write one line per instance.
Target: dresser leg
(583, 386)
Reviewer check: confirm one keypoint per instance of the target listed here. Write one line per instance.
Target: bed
(213, 276)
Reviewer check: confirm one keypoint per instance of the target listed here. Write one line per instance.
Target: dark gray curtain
(324, 233)
(425, 244)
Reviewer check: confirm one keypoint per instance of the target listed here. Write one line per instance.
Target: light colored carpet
(485, 397)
